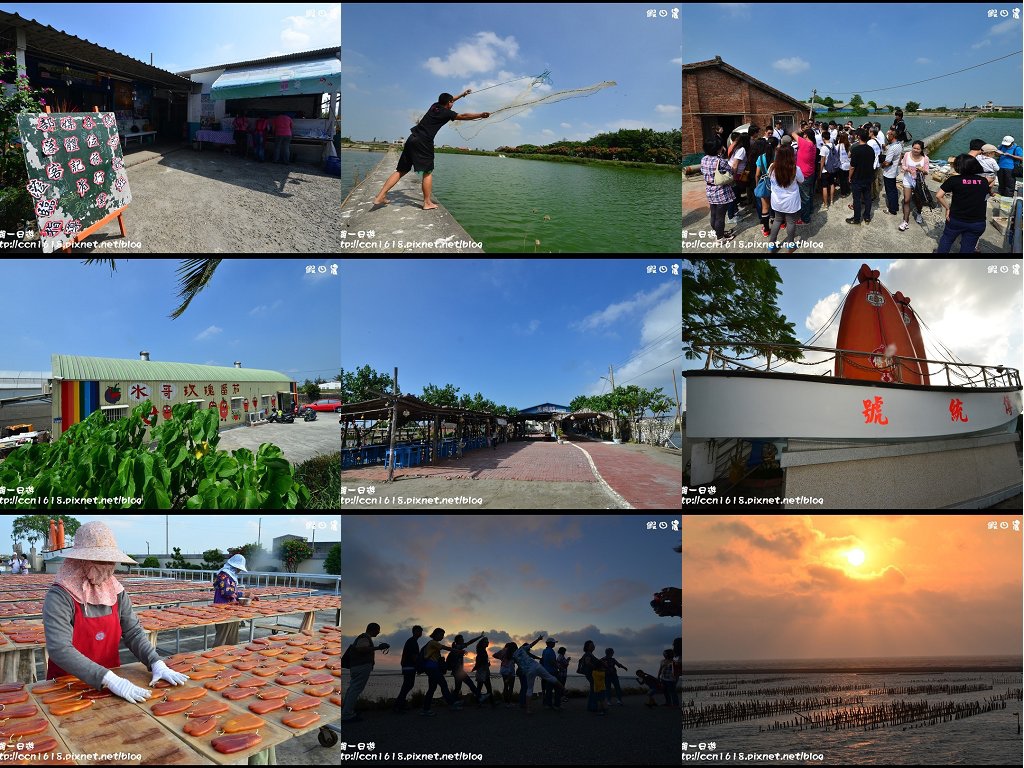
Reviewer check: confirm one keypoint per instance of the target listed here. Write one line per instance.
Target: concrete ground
(526, 475)
(210, 202)
(300, 441)
(828, 231)
(402, 226)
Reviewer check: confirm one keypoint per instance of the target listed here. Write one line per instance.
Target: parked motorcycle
(309, 415)
(280, 417)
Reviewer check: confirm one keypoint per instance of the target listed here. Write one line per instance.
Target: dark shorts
(827, 179)
(418, 154)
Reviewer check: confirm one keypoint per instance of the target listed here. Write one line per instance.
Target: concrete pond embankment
(402, 226)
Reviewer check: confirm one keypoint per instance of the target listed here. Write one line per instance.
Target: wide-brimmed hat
(237, 561)
(95, 541)
(988, 148)
(1007, 141)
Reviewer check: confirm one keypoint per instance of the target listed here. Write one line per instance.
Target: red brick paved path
(512, 461)
(642, 481)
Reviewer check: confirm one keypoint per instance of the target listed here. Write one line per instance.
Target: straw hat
(95, 541)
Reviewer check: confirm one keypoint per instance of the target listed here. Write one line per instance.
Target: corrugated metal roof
(82, 368)
(49, 43)
(336, 51)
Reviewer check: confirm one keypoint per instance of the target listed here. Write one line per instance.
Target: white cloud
(1004, 26)
(611, 313)
(534, 325)
(662, 308)
(565, 125)
(792, 65)
(677, 62)
(983, 44)
(667, 109)
(548, 132)
(736, 10)
(923, 60)
(481, 53)
(209, 333)
(320, 29)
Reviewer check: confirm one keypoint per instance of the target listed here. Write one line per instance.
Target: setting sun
(855, 556)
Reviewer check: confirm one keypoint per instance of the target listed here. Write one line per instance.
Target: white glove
(162, 672)
(124, 688)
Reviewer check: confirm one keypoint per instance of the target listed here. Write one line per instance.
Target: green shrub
(108, 464)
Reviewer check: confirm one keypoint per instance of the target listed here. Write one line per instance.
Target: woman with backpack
(433, 666)
(761, 170)
(592, 668)
(842, 146)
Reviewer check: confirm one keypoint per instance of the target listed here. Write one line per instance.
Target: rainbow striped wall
(77, 400)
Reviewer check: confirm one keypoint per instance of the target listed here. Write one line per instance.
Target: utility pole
(679, 407)
(167, 534)
(810, 112)
(259, 526)
(394, 421)
(615, 418)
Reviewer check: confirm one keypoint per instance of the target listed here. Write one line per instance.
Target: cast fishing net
(537, 93)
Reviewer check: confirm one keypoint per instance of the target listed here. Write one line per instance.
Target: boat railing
(970, 374)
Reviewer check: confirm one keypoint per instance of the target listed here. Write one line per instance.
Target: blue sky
(266, 313)
(189, 35)
(194, 534)
(573, 577)
(921, 43)
(395, 64)
(973, 313)
(519, 331)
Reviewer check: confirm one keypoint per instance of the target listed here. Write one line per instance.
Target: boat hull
(747, 404)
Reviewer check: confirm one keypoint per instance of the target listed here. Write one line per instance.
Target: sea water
(989, 738)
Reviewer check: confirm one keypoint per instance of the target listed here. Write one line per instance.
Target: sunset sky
(840, 586)
(573, 577)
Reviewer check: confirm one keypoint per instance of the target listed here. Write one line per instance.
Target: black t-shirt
(409, 652)
(436, 118)
(901, 129)
(862, 162)
(970, 196)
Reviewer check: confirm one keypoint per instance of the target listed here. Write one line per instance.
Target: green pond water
(354, 166)
(503, 202)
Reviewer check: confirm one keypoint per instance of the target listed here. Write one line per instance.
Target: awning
(293, 78)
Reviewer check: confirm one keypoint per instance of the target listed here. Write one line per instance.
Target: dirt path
(209, 202)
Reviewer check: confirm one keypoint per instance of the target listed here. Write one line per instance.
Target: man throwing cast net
(418, 152)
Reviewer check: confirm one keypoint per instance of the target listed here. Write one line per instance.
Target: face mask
(97, 573)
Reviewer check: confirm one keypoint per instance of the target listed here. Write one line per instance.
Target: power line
(917, 82)
(677, 357)
(657, 342)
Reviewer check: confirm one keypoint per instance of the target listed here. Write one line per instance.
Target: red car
(327, 404)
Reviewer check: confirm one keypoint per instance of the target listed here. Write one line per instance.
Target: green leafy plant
(15, 202)
(332, 564)
(109, 464)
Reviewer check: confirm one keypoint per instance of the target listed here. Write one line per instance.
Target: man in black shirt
(862, 173)
(410, 655)
(418, 152)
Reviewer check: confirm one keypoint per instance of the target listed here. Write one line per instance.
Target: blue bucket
(332, 167)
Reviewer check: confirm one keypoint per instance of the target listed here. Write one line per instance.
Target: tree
(293, 552)
(912, 106)
(446, 396)
(828, 101)
(332, 563)
(365, 384)
(312, 391)
(873, 105)
(856, 101)
(733, 302)
(193, 276)
(37, 527)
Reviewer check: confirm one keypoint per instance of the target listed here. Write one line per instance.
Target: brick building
(715, 93)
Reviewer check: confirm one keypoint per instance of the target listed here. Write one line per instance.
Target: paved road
(645, 480)
(629, 735)
(300, 441)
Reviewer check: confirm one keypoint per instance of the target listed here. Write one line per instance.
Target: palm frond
(111, 262)
(193, 276)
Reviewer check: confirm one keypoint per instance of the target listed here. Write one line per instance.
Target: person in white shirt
(530, 666)
(890, 169)
(876, 146)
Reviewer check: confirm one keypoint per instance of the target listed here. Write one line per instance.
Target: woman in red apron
(87, 614)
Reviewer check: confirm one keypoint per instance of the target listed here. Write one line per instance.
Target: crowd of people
(256, 136)
(517, 663)
(775, 175)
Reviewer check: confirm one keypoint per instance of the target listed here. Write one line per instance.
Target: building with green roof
(82, 385)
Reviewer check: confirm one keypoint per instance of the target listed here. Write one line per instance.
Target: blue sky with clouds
(573, 577)
(923, 42)
(972, 312)
(522, 332)
(189, 35)
(266, 313)
(396, 63)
